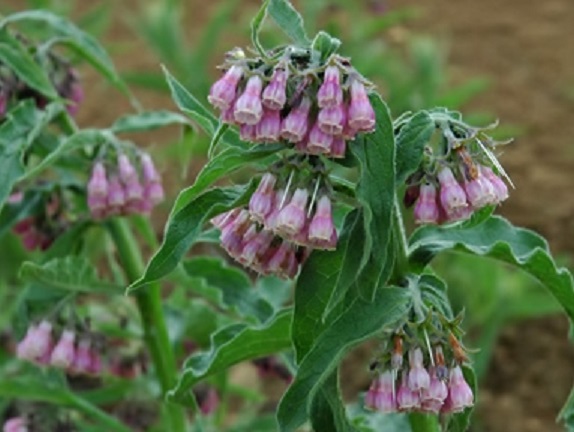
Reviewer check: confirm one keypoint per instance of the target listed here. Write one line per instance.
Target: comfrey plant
(322, 180)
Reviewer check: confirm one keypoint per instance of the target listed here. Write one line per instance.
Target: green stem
(424, 422)
(149, 304)
(400, 238)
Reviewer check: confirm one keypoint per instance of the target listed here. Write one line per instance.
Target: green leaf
(411, 140)
(289, 21)
(185, 226)
(256, 24)
(232, 345)
(327, 409)
(49, 392)
(78, 140)
(186, 102)
(227, 286)
(72, 273)
(82, 43)
(323, 281)
(375, 190)
(147, 120)
(360, 321)
(499, 239)
(14, 55)
(225, 163)
(434, 293)
(11, 169)
(325, 45)
(460, 422)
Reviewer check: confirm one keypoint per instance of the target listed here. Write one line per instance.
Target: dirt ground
(526, 49)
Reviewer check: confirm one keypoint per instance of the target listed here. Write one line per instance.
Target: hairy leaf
(227, 286)
(288, 20)
(410, 144)
(325, 45)
(147, 120)
(256, 24)
(185, 226)
(232, 345)
(360, 321)
(71, 273)
(499, 239)
(375, 191)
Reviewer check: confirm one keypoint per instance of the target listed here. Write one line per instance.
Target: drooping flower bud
(433, 397)
(261, 202)
(116, 196)
(248, 132)
(255, 248)
(274, 95)
(64, 352)
(37, 343)
(479, 192)
(452, 195)
(380, 396)
(292, 217)
(319, 141)
(97, 190)
(126, 170)
(361, 116)
(222, 92)
(330, 92)
(498, 186)
(407, 399)
(295, 125)
(149, 171)
(281, 262)
(419, 378)
(426, 209)
(321, 228)
(83, 359)
(332, 119)
(15, 424)
(338, 147)
(233, 233)
(459, 392)
(268, 129)
(248, 108)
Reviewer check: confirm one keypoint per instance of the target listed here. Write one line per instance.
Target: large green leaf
(186, 225)
(410, 144)
(327, 408)
(39, 390)
(256, 24)
(17, 57)
(360, 321)
(82, 43)
(289, 21)
(323, 282)
(499, 239)
(71, 273)
(376, 192)
(147, 120)
(232, 345)
(225, 163)
(228, 286)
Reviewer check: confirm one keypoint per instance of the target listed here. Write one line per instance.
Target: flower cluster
(124, 190)
(459, 177)
(64, 77)
(431, 389)
(75, 355)
(314, 106)
(279, 228)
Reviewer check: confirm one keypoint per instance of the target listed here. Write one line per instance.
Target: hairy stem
(149, 304)
(424, 422)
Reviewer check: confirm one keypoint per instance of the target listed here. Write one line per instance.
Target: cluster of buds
(279, 228)
(64, 77)
(420, 369)
(315, 107)
(16, 424)
(459, 177)
(124, 190)
(75, 355)
(40, 229)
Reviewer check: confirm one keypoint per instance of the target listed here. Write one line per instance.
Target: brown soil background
(526, 49)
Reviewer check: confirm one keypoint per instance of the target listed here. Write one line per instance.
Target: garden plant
(300, 253)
